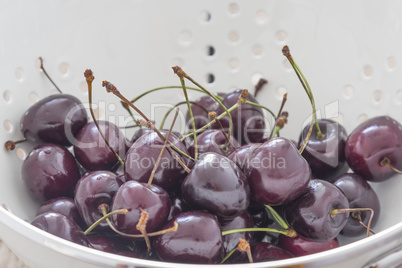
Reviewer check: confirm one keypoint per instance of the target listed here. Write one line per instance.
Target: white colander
(350, 52)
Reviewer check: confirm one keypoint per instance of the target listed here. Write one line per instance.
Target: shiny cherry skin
(55, 119)
(248, 121)
(277, 173)
(212, 140)
(230, 241)
(369, 143)
(91, 150)
(217, 185)
(242, 155)
(200, 115)
(134, 196)
(93, 189)
(65, 206)
(140, 132)
(264, 251)
(326, 156)
(50, 171)
(178, 206)
(111, 244)
(310, 214)
(142, 156)
(299, 246)
(59, 225)
(360, 195)
(198, 239)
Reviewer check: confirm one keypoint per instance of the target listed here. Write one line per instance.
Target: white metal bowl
(348, 50)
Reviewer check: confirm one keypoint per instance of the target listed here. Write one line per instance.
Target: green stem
(288, 232)
(229, 254)
(262, 107)
(278, 219)
(176, 105)
(105, 216)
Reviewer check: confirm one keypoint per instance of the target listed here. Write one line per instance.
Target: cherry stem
(177, 70)
(277, 218)
(334, 212)
(176, 105)
(279, 124)
(89, 77)
(357, 215)
(230, 253)
(386, 162)
(261, 106)
(245, 246)
(288, 232)
(111, 88)
(183, 84)
(48, 77)
(306, 86)
(127, 108)
(105, 208)
(141, 226)
(10, 145)
(259, 86)
(284, 99)
(151, 177)
(225, 146)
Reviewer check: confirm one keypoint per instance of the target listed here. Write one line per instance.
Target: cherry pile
(221, 193)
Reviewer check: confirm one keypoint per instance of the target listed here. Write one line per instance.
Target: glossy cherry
(277, 173)
(311, 214)
(372, 141)
(242, 155)
(93, 189)
(55, 119)
(134, 196)
(59, 225)
(50, 171)
(91, 150)
(111, 244)
(326, 156)
(178, 206)
(264, 251)
(217, 185)
(300, 246)
(142, 156)
(360, 195)
(197, 240)
(213, 140)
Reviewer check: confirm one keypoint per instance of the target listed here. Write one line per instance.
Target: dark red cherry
(217, 185)
(198, 239)
(372, 141)
(311, 214)
(91, 150)
(178, 206)
(93, 189)
(55, 119)
(50, 171)
(65, 206)
(248, 120)
(59, 225)
(139, 133)
(264, 251)
(242, 155)
(277, 172)
(203, 106)
(142, 156)
(230, 241)
(134, 196)
(360, 195)
(111, 244)
(326, 156)
(213, 140)
(300, 246)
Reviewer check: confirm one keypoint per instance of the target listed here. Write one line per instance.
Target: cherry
(360, 195)
(55, 119)
(217, 185)
(59, 225)
(213, 140)
(93, 189)
(91, 150)
(178, 206)
(277, 172)
(230, 241)
(370, 143)
(50, 171)
(197, 240)
(136, 196)
(264, 251)
(248, 120)
(326, 156)
(242, 155)
(313, 214)
(111, 244)
(142, 156)
(300, 246)
(261, 220)
(65, 206)
(140, 132)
